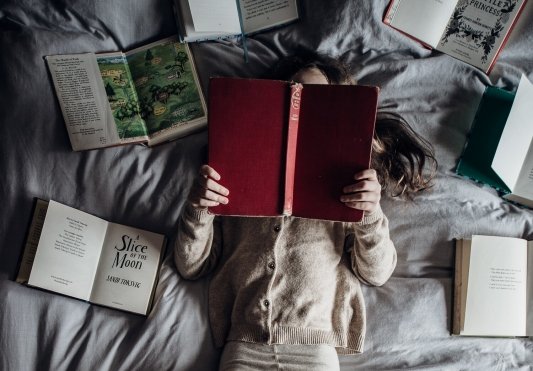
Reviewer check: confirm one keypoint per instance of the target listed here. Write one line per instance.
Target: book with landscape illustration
(473, 31)
(499, 149)
(147, 95)
(74, 253)
(289, 149)
(492, 287)
(200, 20)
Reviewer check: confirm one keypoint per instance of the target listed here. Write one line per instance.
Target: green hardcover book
(499, 150)
(489, 122)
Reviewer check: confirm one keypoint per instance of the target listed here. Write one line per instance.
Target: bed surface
(409, 318)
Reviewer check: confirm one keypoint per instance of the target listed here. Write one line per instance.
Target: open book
(471, 31)
(200, 20)
(77, 254)
(492, 288)
(499, 150)
(289, 149)
(150, 94)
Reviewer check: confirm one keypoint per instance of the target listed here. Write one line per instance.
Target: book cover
(250, 146)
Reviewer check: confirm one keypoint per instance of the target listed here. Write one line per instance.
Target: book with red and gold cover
(284, 148)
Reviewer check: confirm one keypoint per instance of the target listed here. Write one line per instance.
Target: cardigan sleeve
(198, 243)
(373, 255)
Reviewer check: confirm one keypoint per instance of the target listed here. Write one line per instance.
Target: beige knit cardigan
(286, 280)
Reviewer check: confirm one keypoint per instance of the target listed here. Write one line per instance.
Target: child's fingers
(210, 184)
(207, 199)
(369, 174)
(208, 171)
(206, 203)
(365, 206)
(363, 186)
(361, 197)
(212, 196)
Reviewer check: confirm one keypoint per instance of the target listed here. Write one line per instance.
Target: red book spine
(292, 135)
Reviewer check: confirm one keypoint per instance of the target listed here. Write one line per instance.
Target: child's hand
(365, 193)
(205, 191)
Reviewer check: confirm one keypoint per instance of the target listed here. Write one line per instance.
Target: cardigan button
(277, 228)
(266, 303)
(272, 265)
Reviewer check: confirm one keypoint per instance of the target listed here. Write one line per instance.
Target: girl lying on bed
(272, 302)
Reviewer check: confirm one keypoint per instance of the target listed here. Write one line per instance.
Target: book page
(128, 268)
(477, 29)
(465, 267)
(258, 15)
(32, 240)
(529, 297)
(186, 28)
(515, 141)
(422, 19)
(122, 97)
(68, 251)
(496, 297)
(215, 15)
(83, 101)
(168, 88)
(523, 190)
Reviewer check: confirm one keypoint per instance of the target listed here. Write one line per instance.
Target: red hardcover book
(289, 149)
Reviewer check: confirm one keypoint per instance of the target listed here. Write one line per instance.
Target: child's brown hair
(399, 154)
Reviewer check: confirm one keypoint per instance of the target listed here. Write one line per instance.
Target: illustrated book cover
(492, 286)
(473, 31)
(147, 95)
(200, 20)
(289, 149)
(499, 148)
(76, 254)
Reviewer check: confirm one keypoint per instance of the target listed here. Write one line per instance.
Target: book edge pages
(32, 240)
(457, 286)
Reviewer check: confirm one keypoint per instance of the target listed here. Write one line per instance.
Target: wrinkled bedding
(409, 318)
